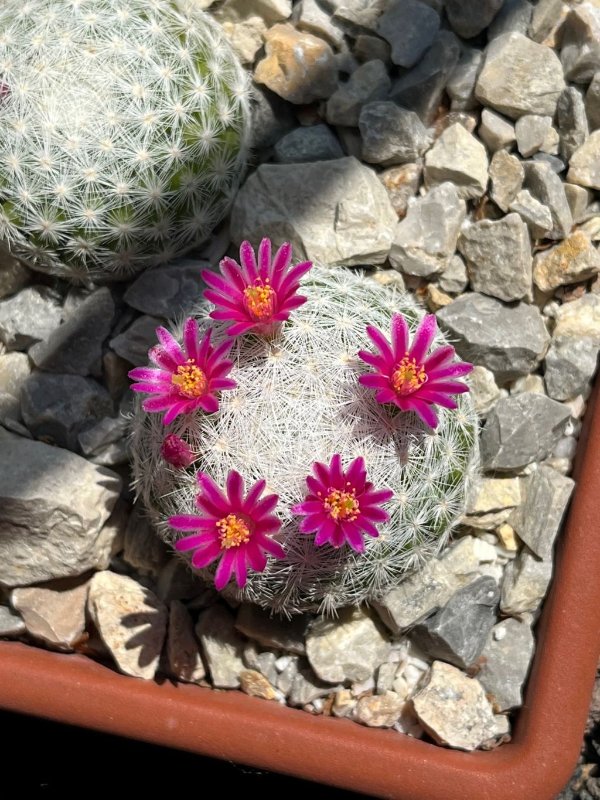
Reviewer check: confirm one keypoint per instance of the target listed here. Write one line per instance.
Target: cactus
(298, 399)
(123, 133)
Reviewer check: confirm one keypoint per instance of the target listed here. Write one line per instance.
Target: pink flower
(405, 377)
(176, 452)
(185, 379)
(341, 505)
(232, 527)
(256, 297)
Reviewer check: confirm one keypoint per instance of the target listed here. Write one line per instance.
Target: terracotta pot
(535, 765)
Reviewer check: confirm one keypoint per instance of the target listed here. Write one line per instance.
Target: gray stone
(521, 429)
(56, 408)
(11, 624)
(426, 238)
(75, 347)
(566, 448)
(486, 495)
(142, 548)
(457, 633)
(53, 506)
(514, 16)
(459, 157)
(536, 216)
(410, 27)
(331, 211)
(246, 38)
(555, 163)
(114, 372)
(273, 631)
(570, 366)
(133, 344)
(29, 317)
(526, 580)
(508, 340)
(508, 84)
(531, 131)
(184, 660)
(453, 708)
(505, 663)
(305, 685)
(10, 415)
(106, 442)
(369, 48)
(14, 372)
(391, 135)
(548, 495)
(546, 15)
(54, 613)
(483, 390)
(379, 711)
(470, 17)
(580, 43)
(222, 646)
(309, 16)
(356, 16)
(402, 183)
(269, 10)
(315, 143)
(579, 318)
(574, 259)
(584, 167)
(264, 663)
(421, 88)
(495, 130)
(461, 83)
(349, 648)
(370, 82)
(272, 118)
(506, 177)
(176, 581)
(545, 185)
(167, 291)
(385, 677)
(454, 278)
(13, 274)
(592, 102)
(498, 256)
(578, 199)
(131, 621)
(572, 121)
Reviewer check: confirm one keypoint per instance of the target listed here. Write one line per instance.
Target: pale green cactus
(298, 400)
(123, 133)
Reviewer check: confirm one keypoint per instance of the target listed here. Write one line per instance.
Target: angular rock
(349, 648)
(508, 340)
(580, 43)
(515, 15)
(370, 48)
(142, 548)
(461, 83)
(269, 10)
(315, 143)
(271, 119)
(246, 37)
(546, 15)
(53, 505)
(505, 663)
(457, 633)
(496, 131)
(574, 259)
(10, 415)
(391, 135)
(453, 708)
(106, 442)
(309, 16)
(133, 344)
(555, 163)
(536, 216)
(459, 157)
(498, 256)
(426, 238)
(297, 66)
(273, 631)
(592, 102)
(131, 621)
(55, 613)
(506, 176)
(29, 317)
(264, 663)
(509, 85)
(14, 372)
(401, 183)
(584, 167)
(454, 278)
(578, 199)
(579, 318)
(11, 624)
(184, 660)
(167, 291)
(75, 348)
(545, 185)
(548, 494)
(520, 429)
(570, 366)
(222, 646)
(572, 121)
(256, 685)
(379, 711)
(13, 274)
(330, 211)
(304, 684)
(410, 27)
(493, 494)
(526, 580)
(369, 83)
(531, 131)
(483, 390)
(435, 298)
(469, 17)
(356, 16)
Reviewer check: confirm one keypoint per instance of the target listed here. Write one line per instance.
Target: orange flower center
(190, 380)
(342, 505)
(260, 300)
(233, 531)
(408, 376)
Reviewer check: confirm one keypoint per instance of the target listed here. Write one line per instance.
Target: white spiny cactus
(298, 400)
(123, 132)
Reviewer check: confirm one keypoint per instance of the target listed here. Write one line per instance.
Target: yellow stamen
(190, 380)
(233, 531)
(342, 505)
(408, 376)
(260, 300)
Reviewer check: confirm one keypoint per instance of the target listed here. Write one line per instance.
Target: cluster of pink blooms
(341, 506)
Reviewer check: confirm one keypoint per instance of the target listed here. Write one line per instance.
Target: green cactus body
(123, 133)
(298, 400)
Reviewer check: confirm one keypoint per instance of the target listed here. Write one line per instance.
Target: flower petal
(248, 262)
(225, 568)
(425, 411)
(381, 343)
(170, 345)
(423, 337)
(202, 558)
(235, 490)
(190, 337)
(186, 522)
(241, 570)
(399, 336)
(353, 536)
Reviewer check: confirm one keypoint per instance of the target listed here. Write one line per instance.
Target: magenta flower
(405, 377)
(232, 527)
(256, 296)
(186, 379)
(342, 505)
(176, 452)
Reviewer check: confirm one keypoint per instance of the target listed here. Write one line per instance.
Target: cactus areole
(123, 133)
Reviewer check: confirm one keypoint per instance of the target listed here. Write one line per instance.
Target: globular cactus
(123, 133)
(298, 400)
